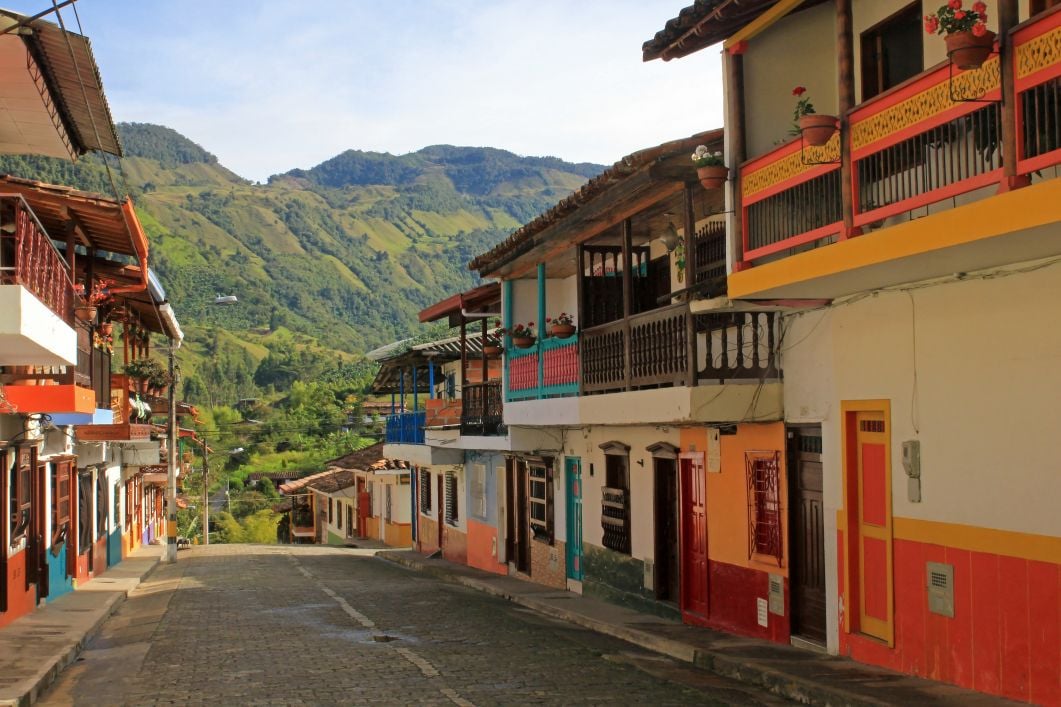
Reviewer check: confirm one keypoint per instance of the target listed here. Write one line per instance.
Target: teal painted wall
(114, 548)
(58, 583)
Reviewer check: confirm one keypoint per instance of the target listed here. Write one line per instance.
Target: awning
(52, 98)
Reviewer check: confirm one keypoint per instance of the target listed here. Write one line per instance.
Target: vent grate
(940, 581)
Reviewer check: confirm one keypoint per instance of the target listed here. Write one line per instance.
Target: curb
(28, 690)
(777, 682)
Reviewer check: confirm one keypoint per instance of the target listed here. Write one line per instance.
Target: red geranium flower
(979, 7)
(799, 90)
(979, 29)
(955, 4)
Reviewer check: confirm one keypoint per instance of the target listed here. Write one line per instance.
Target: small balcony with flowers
(948, 162)
(614, 301)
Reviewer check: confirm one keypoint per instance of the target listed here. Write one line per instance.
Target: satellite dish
(226, 299)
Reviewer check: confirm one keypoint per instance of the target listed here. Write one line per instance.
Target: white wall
(983, 404)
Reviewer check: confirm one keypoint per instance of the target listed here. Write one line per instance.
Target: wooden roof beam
(762, 22)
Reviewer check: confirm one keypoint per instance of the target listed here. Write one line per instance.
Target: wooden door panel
(574, 519)
(693, 538)
(873, 525)
(808, 536)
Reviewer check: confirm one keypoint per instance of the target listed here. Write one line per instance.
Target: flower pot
(712, 177)
(85, 312)
(561, 331)
(967, 51)
(492, 351)
(817, 129)
(523, 342)
(106, 328)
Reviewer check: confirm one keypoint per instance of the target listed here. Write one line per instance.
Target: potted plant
(816, 128)
(149, 374)
(969, 41)
(710, 168)
(523, 336)
(492, 347)
(561, 326)
(102, 341)
(88, 306)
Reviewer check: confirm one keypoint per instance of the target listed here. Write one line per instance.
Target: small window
(101, 504)
(84, 507)
(338, 514)
(540, 500)
(349, 521)
(21, 479)
(764, 504)
(615, 503)
(1037, 6)
(452, 507)
(892, 51)
(479, 489)
(425, 492)
(451, 386)
(387, 503)
(331, 511)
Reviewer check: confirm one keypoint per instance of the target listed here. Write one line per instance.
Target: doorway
(666, 529)
(694, 589)
(516, 495)
(440, 507)
(807, 533)
(574, 518)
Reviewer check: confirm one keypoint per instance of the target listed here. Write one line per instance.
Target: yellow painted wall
(397, 534)
(727, 493)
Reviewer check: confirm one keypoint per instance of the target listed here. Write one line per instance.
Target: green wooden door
(573, 468)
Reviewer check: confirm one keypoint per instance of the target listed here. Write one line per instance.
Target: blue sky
(268, 86)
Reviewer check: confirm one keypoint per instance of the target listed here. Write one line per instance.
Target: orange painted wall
(727, 493)
(454, 545)
(482, 547)
(19, 601)
(397, 534)
(1004, 639)
(426, 535)
(99, 555)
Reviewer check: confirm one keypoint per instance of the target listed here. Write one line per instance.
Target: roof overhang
(52, 98)
(484, 300)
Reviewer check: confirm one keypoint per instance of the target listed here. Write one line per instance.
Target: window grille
(21, 478)
(339, 514)
(84, 508)
(479, 489)
(331, 510)
(540, 498)
(764, 504)
(425, 492)
(615, 503)
(387, 503)
(452, 509)
(101, 504)
(61, 503)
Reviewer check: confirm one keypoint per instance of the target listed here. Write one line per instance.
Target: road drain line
(422, 664)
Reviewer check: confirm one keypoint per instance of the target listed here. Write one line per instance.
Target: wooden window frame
(1037, 7)
(615, 499)
(765, 510)
(540, 477)
(479, 489)
(23, 462)
(425, 492)
(388, 514)
(451, 514)
(61, 528)
(102, 514)
(874, 33)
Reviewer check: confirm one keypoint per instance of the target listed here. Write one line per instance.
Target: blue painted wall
(58, 583)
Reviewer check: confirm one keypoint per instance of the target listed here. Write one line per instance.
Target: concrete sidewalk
(36, 648)
(803, 676)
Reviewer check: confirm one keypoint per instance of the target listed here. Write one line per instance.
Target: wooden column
(690, 273)
(845, 71)
(541, 327)
(1007, 19)
(464, 353)
(579, 308)
(735, 139)
(482, 341)
(628, 237)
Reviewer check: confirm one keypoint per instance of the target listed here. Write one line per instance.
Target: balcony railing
(933, 138)
(93, 370)
(29, 258)
(481, 408)
(406, 428)
(546, 370)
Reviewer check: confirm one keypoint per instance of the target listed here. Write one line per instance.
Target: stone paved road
(299, 625)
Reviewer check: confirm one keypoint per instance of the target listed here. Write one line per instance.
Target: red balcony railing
(933, 138)
(29, 258)
(1037, 78)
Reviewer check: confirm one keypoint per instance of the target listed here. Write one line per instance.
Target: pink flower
(799, 91)
(959, 14)
(979, 29)
(955, 4)
(979, 7)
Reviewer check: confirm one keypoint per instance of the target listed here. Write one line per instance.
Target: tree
(261, 527)
(227, 528)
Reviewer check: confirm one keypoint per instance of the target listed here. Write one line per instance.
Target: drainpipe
(132, 224)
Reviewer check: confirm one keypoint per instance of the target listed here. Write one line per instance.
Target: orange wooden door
(874, 525)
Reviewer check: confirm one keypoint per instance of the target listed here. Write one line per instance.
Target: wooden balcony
(80, 389)
(548, 369)
(481, 409)
(931, 144)
(30, 259)
(406, 428)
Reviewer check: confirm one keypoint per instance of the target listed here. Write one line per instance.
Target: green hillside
(336, 260)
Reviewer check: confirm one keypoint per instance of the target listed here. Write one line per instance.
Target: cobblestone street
(243, 624)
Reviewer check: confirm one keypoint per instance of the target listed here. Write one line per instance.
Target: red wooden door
(693, 538)
(364, 510)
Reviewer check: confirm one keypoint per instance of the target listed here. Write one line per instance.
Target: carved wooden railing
(481, 408)
(929, 139)
(548, 369)
(1037, 78)
(709, 259)
(29, 258)
(646, 350)
(737, 345)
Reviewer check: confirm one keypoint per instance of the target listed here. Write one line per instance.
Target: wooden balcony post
(733, 58)
(690, 272)
(482, 342)
(1007, 19)
(541, 327)
(628, 236)
(464, 352)
(846, 93)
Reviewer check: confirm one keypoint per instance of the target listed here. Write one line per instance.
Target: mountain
(337, 259)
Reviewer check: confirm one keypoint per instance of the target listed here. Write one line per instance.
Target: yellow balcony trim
(1017, 210)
